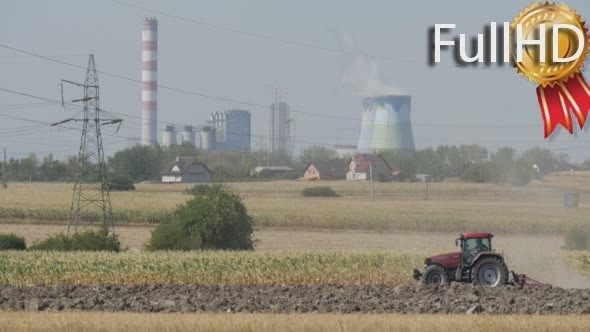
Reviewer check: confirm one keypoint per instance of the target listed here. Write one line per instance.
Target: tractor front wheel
(490, 272)
(435, 275)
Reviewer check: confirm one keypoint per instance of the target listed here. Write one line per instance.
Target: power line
(256, 105)
(139, 139)
(53, 55)
(284, 40)
(72, 106)
(302, 142)
(355, 137)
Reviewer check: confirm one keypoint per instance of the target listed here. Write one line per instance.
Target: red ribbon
(557, 101)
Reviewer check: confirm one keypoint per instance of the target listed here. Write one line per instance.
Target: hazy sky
(204, 60)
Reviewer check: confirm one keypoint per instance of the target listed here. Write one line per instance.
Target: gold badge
(556, 67)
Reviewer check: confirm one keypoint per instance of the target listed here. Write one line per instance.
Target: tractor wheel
(490, 272)
(435, 275)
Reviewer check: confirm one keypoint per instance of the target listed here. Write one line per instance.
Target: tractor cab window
(472, 247)
(476, 245)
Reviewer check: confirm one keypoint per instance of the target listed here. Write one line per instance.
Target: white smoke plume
(364, 77)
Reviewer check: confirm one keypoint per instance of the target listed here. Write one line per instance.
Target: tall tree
(139, 163)
(318, 153)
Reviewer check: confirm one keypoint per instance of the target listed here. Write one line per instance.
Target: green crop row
(62, 215)
(213, 268)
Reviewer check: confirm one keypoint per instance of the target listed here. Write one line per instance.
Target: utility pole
(4, 170)
(91, 185)
(371, 180)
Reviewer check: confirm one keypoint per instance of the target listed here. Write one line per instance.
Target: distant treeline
(469, 162)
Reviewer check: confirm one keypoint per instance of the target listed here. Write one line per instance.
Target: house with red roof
(359, 168)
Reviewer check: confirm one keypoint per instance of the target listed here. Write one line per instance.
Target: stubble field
(451, 207)
(82, 321)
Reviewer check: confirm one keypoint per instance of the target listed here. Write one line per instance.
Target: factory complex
(385, 120)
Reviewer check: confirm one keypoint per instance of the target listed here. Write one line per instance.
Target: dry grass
(210, 268)
(135, 237)
(580, 260)
(574, 181)
(453, 207)
(289, 322)
(131, 237)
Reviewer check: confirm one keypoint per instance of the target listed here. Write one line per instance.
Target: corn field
(210, 268)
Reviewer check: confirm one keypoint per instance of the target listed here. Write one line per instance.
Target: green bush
(171, 236)
(121, 183)
(215, 220)
(319, 192)
(219, 219)
(12, 242)
(577, 238)
(199, 190)
(85, 241)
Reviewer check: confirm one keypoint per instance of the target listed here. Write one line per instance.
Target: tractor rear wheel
(435, 275)
(490, 272)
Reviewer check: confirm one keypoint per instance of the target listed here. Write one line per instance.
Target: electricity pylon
(91, 188)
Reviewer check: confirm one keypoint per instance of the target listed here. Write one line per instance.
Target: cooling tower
(169, 136)
(208, 139)
(149, 77)
(392, 125)
(367, 123)
(188, 135)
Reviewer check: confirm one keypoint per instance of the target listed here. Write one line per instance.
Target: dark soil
(455, 299)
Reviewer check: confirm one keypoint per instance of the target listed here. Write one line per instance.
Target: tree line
(469, 162)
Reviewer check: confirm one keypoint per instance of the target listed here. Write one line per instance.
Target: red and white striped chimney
(149, 77)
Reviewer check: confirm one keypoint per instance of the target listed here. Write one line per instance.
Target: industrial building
(169, 136)
(386, 125)
(208, 138)
(189, 136)
(279, 129)
(149, 78)
(232, 130)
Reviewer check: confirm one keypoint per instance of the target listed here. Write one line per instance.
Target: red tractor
(477, 263)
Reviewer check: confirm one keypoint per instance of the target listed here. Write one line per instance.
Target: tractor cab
(472, 244)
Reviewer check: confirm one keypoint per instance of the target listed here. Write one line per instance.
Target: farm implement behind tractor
(476, 263)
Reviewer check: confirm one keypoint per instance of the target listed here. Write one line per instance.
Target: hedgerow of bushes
(319, 192)
(12, 242)
(83, 241)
